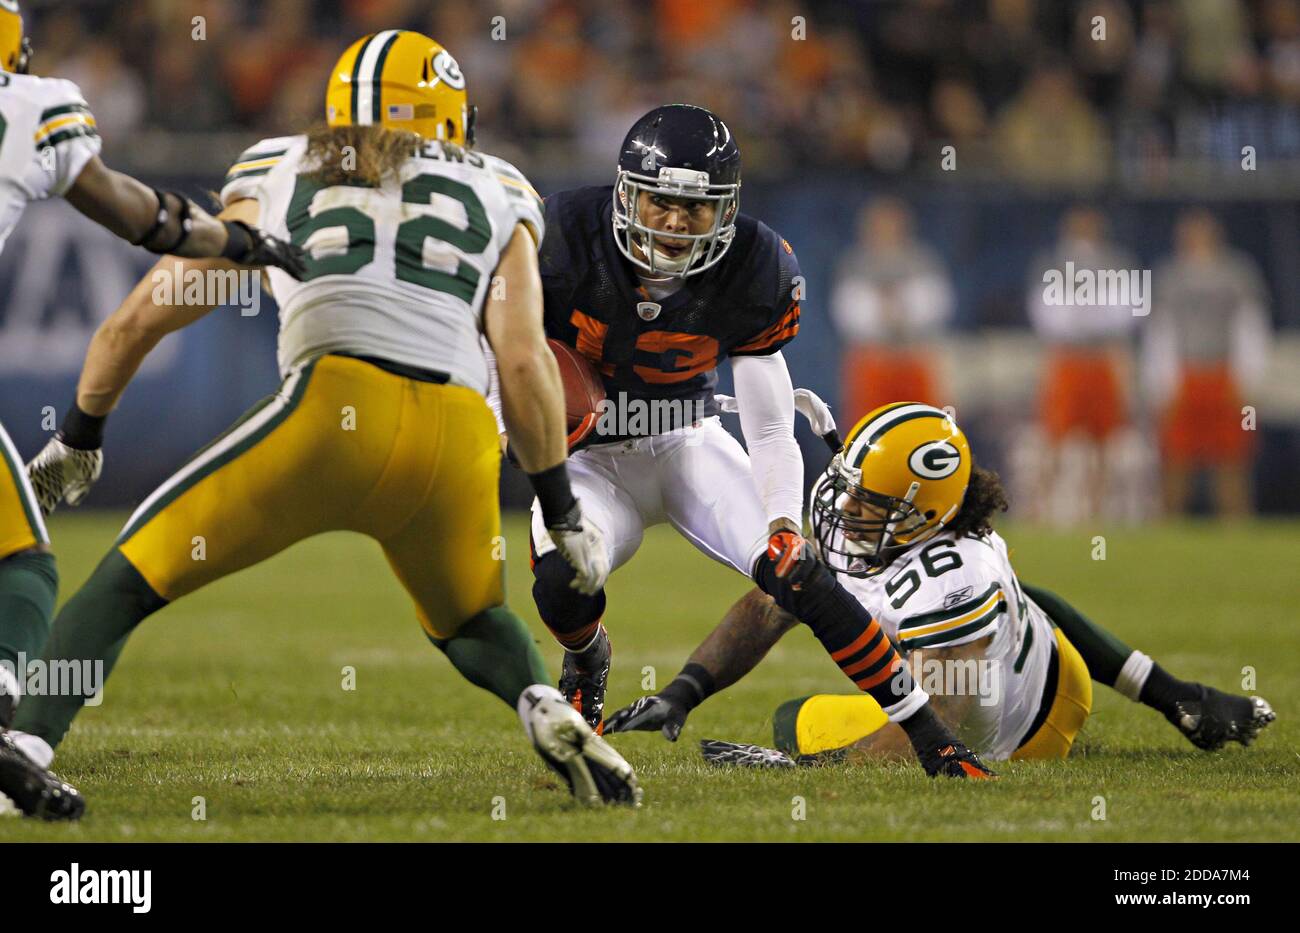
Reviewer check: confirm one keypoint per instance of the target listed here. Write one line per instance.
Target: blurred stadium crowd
(878, 85)
(1106, 134)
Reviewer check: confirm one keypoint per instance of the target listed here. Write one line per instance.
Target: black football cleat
(584, 677)
(955, 760)
(1218, 718)
(34, 790)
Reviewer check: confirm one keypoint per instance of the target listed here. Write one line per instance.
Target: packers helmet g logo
(445, 67)
(934, 460)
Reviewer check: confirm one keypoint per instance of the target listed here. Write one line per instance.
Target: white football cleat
(595, 773)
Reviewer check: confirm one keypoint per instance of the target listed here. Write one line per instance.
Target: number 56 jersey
(400, 271)
(953, 590)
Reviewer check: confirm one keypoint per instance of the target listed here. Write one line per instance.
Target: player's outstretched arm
(532, 406)
(166, 222)
(72, 460)
(741, 640)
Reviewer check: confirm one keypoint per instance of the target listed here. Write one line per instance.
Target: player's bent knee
(562, 608)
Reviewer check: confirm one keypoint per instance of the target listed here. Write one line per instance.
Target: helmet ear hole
(930, 514)
(451, 129)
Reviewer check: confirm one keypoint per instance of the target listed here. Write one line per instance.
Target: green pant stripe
(215, 456)
(25, 493)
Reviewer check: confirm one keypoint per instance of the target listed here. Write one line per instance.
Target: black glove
(648, 714)
(251, 246)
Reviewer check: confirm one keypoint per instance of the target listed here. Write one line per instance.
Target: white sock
(34, 747)
(530, 698)
(1133, 675)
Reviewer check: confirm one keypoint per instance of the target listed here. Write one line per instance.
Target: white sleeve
(766, 399)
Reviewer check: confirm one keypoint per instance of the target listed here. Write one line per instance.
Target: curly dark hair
(984, 496)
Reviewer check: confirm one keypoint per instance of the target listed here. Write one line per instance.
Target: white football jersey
(47, 135)
(955, 589)
(398, 272)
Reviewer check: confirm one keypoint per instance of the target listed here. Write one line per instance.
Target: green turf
(235, 696)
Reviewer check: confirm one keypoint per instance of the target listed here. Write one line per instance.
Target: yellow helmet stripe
(367, 100)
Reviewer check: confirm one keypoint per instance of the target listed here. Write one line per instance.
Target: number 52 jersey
(399, 272)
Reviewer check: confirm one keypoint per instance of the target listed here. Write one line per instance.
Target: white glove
(727, 403)
(63, 472)
(815, 410)
(806, 402)
(583, 546)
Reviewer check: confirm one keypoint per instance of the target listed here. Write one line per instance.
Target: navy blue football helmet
(677, 151)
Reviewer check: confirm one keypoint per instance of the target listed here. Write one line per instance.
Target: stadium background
(833, 104)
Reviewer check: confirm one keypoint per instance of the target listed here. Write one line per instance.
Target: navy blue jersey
(748, 304)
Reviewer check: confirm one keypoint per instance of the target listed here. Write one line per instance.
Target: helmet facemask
(858, 531)
(638, 241)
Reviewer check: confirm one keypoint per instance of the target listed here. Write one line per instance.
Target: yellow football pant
(21, 525)
(829, 721)
(1069, 710)
(343, 446)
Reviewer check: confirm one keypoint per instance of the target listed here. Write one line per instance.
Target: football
(583, 390)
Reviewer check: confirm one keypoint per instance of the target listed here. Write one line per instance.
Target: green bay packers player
(416, 247)
(49, 147)
(904, 517)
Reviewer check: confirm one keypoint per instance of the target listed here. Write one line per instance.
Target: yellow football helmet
(402, 80)
(15, 49)
(900, 477)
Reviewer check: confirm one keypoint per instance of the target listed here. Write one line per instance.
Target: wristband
(553, 493)
(81, 431)
(239, 240)
(690, 688)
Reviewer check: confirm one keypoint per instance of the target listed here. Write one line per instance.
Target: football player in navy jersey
(656, 280)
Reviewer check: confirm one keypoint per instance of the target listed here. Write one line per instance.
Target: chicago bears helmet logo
(934, 460)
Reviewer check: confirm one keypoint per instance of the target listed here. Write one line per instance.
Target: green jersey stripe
(247, 173)
(62, 136)
(952, 634)
(53, 112)
(253, 155)
(951, 612)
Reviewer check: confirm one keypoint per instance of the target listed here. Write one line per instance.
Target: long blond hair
(343, 155)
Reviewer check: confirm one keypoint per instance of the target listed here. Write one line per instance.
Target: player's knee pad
(562, 608)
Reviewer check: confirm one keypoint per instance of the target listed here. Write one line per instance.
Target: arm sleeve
(66, 138)
(766, 399)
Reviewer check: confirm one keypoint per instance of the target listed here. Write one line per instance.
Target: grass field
(235, 696)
